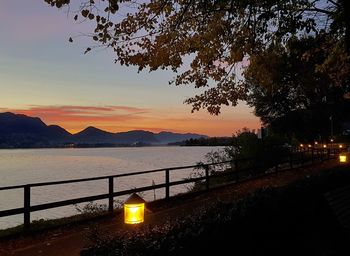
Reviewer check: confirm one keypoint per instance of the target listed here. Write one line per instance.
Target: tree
(301, 87)
(215, 36)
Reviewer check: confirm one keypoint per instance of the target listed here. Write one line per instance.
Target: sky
(42, 74)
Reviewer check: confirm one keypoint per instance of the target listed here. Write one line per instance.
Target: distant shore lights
(134, 210)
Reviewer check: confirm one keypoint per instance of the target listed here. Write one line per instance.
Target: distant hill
(21, 131)
(137, 136)
(24, 131)
(93, 135)
(170, 137)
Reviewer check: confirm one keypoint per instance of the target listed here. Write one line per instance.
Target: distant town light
(332, 140)
(134, 210)
(309, 145)
(301, 145)
(340, 146)
(343, 158)
(324, 146)
(316, 142)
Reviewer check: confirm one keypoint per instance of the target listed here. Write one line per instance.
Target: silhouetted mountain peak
(7, 115)
(10, 117)
(18, 123)
(17, 130)
(59, 130)
(90, 130)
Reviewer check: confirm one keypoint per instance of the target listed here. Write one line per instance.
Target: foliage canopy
(216, 37)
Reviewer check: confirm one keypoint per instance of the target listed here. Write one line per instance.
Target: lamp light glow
(340, 146)
(344, 157)
(301, 145)
(324, 146)
(134, 210)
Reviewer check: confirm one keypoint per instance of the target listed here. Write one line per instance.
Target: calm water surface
(39, 165)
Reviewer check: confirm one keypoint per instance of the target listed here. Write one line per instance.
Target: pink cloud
(88, 110)
(78, 117)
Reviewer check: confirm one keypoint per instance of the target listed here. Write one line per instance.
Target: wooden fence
(239, 169)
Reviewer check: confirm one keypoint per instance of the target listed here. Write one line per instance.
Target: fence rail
(238, 167)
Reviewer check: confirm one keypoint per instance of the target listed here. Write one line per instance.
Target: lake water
(38, 165)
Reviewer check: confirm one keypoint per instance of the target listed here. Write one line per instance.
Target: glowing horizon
(124, 118)
(43, 75)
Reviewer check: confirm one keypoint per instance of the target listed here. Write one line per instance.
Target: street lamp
(331, 119)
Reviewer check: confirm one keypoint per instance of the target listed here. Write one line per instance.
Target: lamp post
(331, 120)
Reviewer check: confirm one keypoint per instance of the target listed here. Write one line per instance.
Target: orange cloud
(126, 118)
(75, 118)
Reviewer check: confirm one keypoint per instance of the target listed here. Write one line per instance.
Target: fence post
(236, 164)
(110, 191)
(206, 176)
(26, 207)
(167, 188)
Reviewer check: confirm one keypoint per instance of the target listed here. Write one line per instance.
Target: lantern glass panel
(134, 213)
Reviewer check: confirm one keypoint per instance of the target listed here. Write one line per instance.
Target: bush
(288, 221)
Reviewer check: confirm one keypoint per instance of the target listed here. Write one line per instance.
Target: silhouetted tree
(301, 86)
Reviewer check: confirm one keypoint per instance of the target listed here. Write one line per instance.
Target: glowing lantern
(324, 146)
(301, 145)
(344, 157)
(316, 142)
(332, 140)
(134, 210)
(340, 146)
(309, 145)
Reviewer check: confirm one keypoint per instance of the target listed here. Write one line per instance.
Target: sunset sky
(42, 74)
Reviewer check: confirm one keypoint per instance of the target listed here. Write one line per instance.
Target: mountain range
(21, 131)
